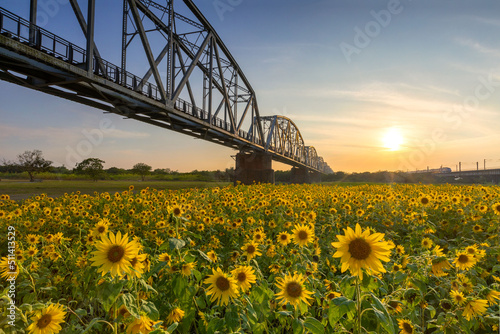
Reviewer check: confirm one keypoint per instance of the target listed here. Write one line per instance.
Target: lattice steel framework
(192, 83)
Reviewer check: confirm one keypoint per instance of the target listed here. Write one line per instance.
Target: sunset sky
(372, 85)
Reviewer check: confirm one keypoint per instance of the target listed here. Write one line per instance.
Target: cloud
(476, 46)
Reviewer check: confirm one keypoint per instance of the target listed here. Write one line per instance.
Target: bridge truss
(192, 84)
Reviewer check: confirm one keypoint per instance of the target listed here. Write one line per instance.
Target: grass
(22, 189)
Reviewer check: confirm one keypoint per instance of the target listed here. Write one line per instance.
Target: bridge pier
(254, 167)
(303, 175)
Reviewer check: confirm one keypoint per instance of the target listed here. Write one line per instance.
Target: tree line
(33, 163)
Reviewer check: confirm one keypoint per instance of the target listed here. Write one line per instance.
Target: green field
(22, 189)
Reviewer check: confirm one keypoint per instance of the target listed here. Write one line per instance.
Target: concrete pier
(254, 167)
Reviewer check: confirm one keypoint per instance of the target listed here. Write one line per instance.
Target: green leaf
(314, 325)
(172, 327)
(383, 316)
(232, 319)
(432, 311)
(90, 325)
(205, 256)
(298, 326)
(338, 308)
(175, 243)
(109, 292)
(150, 309)
(128, 300)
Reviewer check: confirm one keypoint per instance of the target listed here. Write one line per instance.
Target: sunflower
(284, 238)
(114, 254)
(358, 249)
(251, 250)
(47, 320)
(406, 326)
(400, 249)
(427, 243)
(496, 208)
(303, 234)
(177, 211)
(141, 325)
(101, 228)
(222, 287)
(175, 315)
(32, 239)
(439, 265)
(293, 290)
(492, 296)
(138, 264)
(464, 261)
(165, 257)
(395, 306)
(477, 228)
(457, 297)
(8, 268)
(245, 276)
(474, 308)
(186, 268)
(212, 256)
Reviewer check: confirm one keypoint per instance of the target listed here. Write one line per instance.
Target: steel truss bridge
(203, 93)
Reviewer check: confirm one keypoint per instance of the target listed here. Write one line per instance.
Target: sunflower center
(293, 289)
(177, 211)
(222, 283)
(359, 249)
(44, 321)
(283, 237)
(133, 262)
(303, 235)
(242, 277)
(116, 253)
(463, 258)
(101, 229)
(407, 328)
(251, 249)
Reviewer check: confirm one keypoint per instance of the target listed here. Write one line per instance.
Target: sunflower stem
(358, 306)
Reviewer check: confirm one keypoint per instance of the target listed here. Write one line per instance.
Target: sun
(393, 139)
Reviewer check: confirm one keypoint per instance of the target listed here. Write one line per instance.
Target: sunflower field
(253, 259)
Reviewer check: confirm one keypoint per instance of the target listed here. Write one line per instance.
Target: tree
(142, 169)
(33, 163)
(93, 167)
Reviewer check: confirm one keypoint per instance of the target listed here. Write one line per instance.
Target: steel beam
(147, 48)
(90, 36)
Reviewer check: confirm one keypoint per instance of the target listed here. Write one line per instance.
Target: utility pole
(460, 166)
(477, 165)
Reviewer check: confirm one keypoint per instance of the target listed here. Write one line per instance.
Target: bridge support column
(254, 167)
(302, 175)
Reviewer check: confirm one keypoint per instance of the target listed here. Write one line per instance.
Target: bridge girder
(222, 104)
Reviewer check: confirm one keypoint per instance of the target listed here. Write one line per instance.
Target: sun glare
(393, 139)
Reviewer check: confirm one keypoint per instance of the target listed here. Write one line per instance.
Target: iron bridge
(204, 93)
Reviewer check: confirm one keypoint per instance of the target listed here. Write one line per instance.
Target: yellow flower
(303, 234)
(457, 297)
(464, 261)
(292, 290)
(427, 243)
(358, 249)
(186, 268)
(114, 254)
(439, 265)
(284, 238)
(474, 308)
(496, 208)
(222, 287)
(47, 320)
(405, 326)
(175, 315)
(244, 276)
(8, 268)
(142, 325)
(493, 296)
(101, 228)
(251, 250)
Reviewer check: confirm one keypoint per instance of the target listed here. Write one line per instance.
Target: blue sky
(346, 72)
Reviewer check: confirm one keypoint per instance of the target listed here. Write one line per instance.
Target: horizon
(379, 86)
